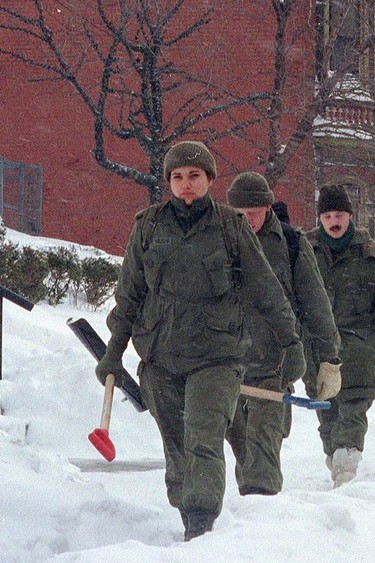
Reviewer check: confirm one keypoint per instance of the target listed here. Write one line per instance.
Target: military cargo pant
(193, 412)
(256, 436)
(344, 425)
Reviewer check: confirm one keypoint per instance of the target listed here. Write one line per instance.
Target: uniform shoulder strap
(292, 238)
(148, 218)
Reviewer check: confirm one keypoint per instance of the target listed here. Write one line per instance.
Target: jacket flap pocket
(219, 271)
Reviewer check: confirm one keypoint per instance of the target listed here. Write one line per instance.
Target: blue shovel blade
(307, 403)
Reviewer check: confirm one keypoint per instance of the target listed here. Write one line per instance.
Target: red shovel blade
(100, 439)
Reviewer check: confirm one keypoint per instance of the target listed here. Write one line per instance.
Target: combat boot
(344, 465)
(199, 522)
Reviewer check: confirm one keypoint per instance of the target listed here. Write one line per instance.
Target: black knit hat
(250, 189)
(189, 153)
(333, 198)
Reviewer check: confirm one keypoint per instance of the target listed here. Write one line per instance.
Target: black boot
(199, 522)
(256, 491)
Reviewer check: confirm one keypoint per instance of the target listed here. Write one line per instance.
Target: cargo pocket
(146, 328)
(149, 315)
(226, 317)
(362, 298)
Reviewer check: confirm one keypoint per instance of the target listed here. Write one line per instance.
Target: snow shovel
(95, 345)
(284, 398)
(100, 436)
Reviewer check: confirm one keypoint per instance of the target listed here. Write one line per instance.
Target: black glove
(293, 365)
(111, 362)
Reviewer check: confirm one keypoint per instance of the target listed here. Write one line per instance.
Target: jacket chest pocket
(154, 262)
(363, 295)
(228, 317)
(219, 272)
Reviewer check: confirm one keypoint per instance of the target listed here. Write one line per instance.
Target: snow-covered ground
(52, 508)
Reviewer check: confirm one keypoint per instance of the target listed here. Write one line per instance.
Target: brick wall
(47, 123)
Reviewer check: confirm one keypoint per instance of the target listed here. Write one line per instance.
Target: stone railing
(360, 115)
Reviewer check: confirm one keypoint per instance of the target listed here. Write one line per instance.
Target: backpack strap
(231, 225)
(292, 238)
(148, 220)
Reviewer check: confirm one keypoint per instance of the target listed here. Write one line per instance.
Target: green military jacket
(350, 284)
(304, 287)
(176, 300)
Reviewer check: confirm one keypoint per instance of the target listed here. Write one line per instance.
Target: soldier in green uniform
(186, 304)
(260, 426)
(346, 259)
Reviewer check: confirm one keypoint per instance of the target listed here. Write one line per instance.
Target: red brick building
(46, 121)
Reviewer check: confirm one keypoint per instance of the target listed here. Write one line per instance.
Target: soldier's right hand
(111, 362)
(108, 365)
(293, 365)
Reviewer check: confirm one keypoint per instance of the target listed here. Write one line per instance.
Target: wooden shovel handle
(262, 393)
(107, 401)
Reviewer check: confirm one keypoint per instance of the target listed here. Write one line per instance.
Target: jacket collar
(361, 236)
(271, 225)
(189, 216)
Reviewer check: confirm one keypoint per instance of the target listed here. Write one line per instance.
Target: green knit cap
(250, 189)
(333, 198)
(189, 153)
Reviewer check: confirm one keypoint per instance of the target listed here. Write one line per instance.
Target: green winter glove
(293, 365)
(329, 381)
(111, 362)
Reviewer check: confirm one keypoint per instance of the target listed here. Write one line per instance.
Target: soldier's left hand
(293, 365)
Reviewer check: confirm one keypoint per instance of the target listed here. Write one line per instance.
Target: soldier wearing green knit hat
(186, 309)
(259, 427)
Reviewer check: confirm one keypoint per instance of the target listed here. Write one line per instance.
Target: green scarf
(336, 245)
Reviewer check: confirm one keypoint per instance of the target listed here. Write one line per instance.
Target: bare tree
(132, 47)
(141, 93)
(330, 80)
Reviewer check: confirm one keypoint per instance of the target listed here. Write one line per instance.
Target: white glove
(329, 381)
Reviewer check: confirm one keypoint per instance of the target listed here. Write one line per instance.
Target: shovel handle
(287, 398)
(107, 401)
(261, 393)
